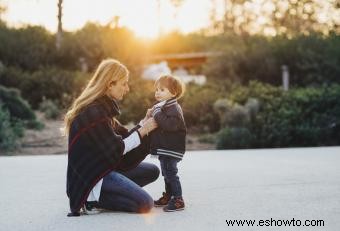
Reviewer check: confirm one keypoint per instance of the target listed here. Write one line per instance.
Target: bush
(234, 138)
(58, 85)
(19, 110)
(208, 138)
(17, 107)
(302, 117)
(10, 131)
(198, 103)
(49, 108)
(29, 47)
(139, 99)
(312, 60)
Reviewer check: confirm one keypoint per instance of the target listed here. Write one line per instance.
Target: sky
(141, 16)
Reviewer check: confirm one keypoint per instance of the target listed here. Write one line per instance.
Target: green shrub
(198, 103)
(297, 118)
(19, 110)
(49, 108)
(312, 60)
(28, 47)
(137, 101)
(17, 107)
(10, 131)
(234, 138)
(208, 138)
(34, 124)
(61, 86)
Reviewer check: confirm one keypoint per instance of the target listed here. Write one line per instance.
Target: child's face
(162, 93)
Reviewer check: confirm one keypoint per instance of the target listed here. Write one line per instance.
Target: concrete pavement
(267, 184)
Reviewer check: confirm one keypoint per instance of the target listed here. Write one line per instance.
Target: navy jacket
(169, 138)
(96, 148)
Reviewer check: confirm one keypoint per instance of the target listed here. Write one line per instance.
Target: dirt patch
(49, 140)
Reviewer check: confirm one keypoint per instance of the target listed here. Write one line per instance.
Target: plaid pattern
(96, 148)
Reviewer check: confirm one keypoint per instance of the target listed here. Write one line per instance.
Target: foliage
(10, 131)
(275, 17)
(299, 117)
(197, 104)
(17, 107)
(59, 85)
(28, 48)
(234, 138)
(139, 99)
(33, 66)
(49, 108)
(312, 60)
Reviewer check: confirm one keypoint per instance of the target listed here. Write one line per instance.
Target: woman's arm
(135, 155)
(131, 142)
(137, 133)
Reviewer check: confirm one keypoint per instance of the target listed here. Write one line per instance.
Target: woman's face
(119, 89)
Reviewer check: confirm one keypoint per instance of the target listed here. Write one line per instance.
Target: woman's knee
(145, 203)
(156, 172)
(152, 171)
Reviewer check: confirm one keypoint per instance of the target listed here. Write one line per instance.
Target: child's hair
(174, 84)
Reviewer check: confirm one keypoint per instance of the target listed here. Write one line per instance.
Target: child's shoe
(175, 204)
(164, 200)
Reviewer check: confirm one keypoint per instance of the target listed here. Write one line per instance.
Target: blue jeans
(169, 172)
(122, 191)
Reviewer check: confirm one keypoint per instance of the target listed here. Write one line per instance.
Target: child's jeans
(169, 172)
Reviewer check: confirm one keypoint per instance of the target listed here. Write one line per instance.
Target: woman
(104, 158)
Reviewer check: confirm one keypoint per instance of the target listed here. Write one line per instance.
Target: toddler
(168, 140)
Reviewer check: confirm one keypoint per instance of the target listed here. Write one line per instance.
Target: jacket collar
(170, 102)
(166, 103)
(110, 105)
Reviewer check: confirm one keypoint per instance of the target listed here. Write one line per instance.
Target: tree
(3, 10)
(160, 30)
(292, 17)
(278, 17)
(215, 23)
(177, 4)
(60, 25)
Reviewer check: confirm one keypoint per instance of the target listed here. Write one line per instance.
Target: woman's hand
(147, 116)
(149, 125)
(148, 113)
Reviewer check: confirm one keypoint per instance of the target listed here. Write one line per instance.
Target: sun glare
(142, 17)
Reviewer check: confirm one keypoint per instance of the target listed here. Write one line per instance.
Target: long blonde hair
(108, 72)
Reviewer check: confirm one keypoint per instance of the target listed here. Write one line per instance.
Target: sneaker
(175, 204)
(89, 208)
(164, 200)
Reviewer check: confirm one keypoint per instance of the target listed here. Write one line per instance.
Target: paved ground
(280, 184)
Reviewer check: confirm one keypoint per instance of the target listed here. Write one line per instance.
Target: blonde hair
(174, 84)
(108, 72)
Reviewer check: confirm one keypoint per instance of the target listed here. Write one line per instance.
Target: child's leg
(176, 203)
(164, 199)
(163, 171)
(171, 177)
